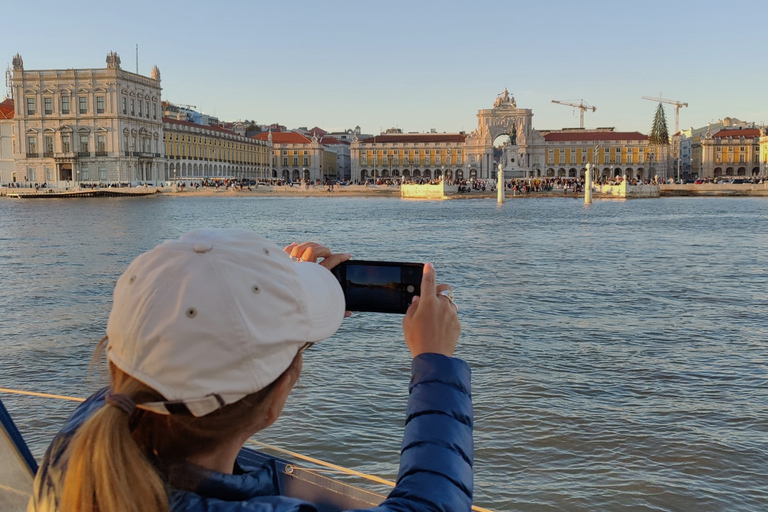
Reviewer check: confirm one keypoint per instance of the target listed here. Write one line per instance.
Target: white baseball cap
(216, 315)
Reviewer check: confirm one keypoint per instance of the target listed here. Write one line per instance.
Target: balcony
(48, 154)
(83, 153)
(33, 155)
(102, 153)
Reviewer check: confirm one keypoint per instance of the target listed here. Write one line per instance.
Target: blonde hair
(121, 464)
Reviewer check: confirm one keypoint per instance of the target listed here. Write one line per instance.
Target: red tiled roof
(748, 133)
(593, 136)
(415, 138)
(284, 137)
(213, 127)
(332, 140)
(318, 131)
(6, 109)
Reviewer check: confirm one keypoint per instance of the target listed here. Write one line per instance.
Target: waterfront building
(408, 155)
(764, 152)
(691, 148)
(87, 125)
(298, 157)
(732, 151)
(199, 151)
(7, 143)
(613, 153)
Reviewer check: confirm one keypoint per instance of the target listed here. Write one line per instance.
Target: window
(65, 144)
(99, 104)
(32, 145)
(742, 159)
(154, 111)
(437, 160)
(48, 146)
(85, 173)
(65, 104)
(125, 143)
(306, 160)
(102, 173)
(629, 158)
(719, 149)
(147, 110)
(48, 174)
(133, 110)
(573, 157)
(125, 105)
(285, 161)
(30, 106)
(295, 161)
(364, 160)
(31, 174)
(82, 103)
(84, 143)
(140, 108)
(101, 144)
(48, 105)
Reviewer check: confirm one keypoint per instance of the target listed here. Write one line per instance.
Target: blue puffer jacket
(435, 463)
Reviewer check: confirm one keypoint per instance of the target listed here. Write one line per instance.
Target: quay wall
(628, 191)
(439, 191)
(716, 189)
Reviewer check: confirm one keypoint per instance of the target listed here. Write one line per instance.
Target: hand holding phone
(431, 324)
(379, 286)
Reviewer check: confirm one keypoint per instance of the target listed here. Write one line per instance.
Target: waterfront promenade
(707, 189)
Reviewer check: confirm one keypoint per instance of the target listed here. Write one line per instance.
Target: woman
(204, 344)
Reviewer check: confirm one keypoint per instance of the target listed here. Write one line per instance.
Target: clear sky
(416, 64)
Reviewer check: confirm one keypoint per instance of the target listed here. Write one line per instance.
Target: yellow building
(298, 157)
(730, 152)
(418, 155)
(613, 153)
(196, 151)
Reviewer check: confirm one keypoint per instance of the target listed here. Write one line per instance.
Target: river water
(619, 350)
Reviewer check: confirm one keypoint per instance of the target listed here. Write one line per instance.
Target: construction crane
(677, 105)
(581, 105)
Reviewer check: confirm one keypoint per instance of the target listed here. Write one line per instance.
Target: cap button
(203, 247)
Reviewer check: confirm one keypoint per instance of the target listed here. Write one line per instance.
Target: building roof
(6, 109)
(318, 131)
(284, 137)
(212, 127)
(328, 140)
(593, 136)
(414, 138)
(747, 133)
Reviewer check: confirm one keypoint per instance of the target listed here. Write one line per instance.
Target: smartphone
(379, 286)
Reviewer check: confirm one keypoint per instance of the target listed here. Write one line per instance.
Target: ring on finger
(448, 294)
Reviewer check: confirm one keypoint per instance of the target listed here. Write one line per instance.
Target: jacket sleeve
(437, 451)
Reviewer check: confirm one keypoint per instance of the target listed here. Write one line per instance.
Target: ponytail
(107, 472)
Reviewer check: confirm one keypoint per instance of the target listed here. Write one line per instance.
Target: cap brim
(324, 299)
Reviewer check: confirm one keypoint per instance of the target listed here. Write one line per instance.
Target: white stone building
(87, 125)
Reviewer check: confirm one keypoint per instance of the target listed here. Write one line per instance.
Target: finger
(313, 252)
(289, 248)
(299, 249)
(443, 287)
(428, 290)
(335, 259)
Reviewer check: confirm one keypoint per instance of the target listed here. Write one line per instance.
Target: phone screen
(385, 287)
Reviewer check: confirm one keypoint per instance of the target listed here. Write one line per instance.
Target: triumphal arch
(504, 119)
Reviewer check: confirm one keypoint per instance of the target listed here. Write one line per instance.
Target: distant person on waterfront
(204, 342)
